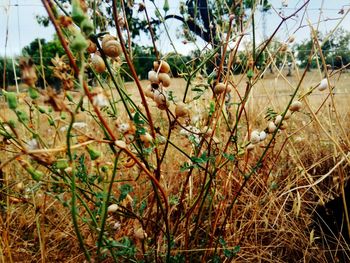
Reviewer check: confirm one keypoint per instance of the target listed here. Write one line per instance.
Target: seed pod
(86, 26)
(295, 106)
(33, 93)
(250, 73)
(69, 97)
(51, 122)
(92, 48)
(288, 115)
(139, 233)
(181, 110)
(164, 66)
(94, 154)
(41, 109)
(77, 12)
(61, 164)
(164, 79)
(262, 135)
(112, 208)
(11, 99)
(323, 85)
(291, 39)
(255, 137)
(36, 174)
(104, 168)
(121, 144)
(79, 43)
(149, 92)
(160, 98)
(250, 147)
(271, 127)
(22, 116)
(111, 46)
(219, 88)
(98, 63)
(153, 76)
(166, 6)
(278, 119)
(283, 47)
(20, 187)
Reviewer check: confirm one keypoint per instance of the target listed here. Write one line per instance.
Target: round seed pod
(120, 144)
(20, 187)
(98, 63)
(295, 106)
(139, 233)
(323, 85)
(160, 98)
(164, 78)
(219, 88)
(288, 114)
(92, 48)
(181, 110)
(153, 76)
(278, 119)
(149, 92)
(262, 135)
(255, 137)
(111, 46)
(271, 127)
(164, 66)
(112, 208)
(250, 147)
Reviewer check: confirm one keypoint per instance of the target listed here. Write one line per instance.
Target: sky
(18, 26)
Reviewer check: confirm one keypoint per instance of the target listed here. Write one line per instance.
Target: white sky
(17, 17)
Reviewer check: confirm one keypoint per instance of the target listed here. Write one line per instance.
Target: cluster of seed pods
(278, 122)
(159, 79)
(111, 48)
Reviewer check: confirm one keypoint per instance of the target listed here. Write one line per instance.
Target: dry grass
(270, 222)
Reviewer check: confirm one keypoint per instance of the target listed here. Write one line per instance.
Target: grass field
(305, 166)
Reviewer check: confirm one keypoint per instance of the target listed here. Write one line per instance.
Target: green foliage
(335, 50)
(6, 68)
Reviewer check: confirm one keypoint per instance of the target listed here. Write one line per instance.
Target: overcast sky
(18, 25)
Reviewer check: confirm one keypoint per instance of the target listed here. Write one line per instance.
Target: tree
(207, 19)
(335, 50)
(42, 52)
(7, 74)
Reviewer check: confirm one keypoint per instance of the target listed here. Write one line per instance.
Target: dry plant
(218, 169)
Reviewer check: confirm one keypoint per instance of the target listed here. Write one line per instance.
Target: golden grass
(272, 219)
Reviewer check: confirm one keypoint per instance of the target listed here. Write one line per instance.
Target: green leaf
(125, 189)
(229, 157)
(197, 90)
